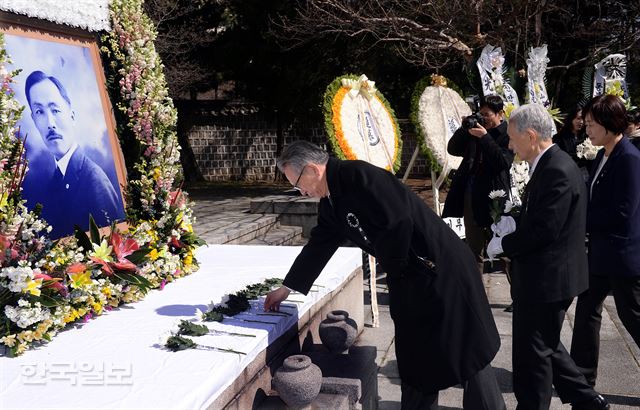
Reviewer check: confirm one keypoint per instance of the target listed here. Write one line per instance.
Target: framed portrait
(76, 167)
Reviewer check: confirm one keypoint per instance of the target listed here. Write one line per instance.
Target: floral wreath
(419, 106)
(46, 285)
(354, 99)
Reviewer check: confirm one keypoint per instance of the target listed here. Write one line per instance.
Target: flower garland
(360, 122)
(436, 113)
(45, 286)
(92, 15)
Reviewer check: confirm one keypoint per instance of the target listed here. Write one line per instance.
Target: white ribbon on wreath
(536, 68)
(491, 67)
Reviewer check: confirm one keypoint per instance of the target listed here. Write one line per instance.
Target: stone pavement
(619, 369)
(224, 217)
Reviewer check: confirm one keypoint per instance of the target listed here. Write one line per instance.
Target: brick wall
(242, 147)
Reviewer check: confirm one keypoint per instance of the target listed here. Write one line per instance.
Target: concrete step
(292, 210)
(233, 227)
(279, 236)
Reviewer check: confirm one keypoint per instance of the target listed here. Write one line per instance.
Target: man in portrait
(76, 187)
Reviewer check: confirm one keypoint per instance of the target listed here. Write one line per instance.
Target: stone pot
(338, 331)
(298, 381)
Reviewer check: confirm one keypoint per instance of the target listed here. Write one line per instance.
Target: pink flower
(164, 282)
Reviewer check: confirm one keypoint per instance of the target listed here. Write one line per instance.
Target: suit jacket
(613, 217)
(85, 190)
(445, 331)
(547, 249)
(485, 164)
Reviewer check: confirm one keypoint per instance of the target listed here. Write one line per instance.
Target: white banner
(609, 77)
(490, 64)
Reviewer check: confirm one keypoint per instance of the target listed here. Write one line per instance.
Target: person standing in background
(613, 225)
(633, 127)
(486, 160)
(546, 247)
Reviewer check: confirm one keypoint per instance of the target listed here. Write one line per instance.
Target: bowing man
(445, 333)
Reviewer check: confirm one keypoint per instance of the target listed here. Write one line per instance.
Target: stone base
(254, 384)
(341, 372)
(322, 402)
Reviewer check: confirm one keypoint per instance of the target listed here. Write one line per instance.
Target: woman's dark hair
(633, 116)
(567, 124)
(608, 111)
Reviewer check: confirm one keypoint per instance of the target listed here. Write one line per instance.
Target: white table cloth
(116, 361)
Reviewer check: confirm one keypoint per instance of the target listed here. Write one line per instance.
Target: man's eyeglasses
(295, 186)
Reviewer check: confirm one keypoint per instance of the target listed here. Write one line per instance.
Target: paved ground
(220, 211)
(619, 369)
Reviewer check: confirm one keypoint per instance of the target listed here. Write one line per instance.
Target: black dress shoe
(597, 403)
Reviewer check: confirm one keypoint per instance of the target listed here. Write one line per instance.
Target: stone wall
(242, 146)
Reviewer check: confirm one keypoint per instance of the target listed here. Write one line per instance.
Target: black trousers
(540, 360)
(585, 344)
(481, 392)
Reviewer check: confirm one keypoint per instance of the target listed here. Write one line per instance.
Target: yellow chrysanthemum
(188, 259)
(153, 255)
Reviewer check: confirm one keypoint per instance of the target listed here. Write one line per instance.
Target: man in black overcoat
(549, 266)
(445, 333)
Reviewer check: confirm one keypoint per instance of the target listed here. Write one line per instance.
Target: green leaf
(134, 279)
(139, 256)
(93, 230)
(83, 239)
(48, 301)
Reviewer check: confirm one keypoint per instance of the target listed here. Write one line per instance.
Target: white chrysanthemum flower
(497, 194)
(508, 206)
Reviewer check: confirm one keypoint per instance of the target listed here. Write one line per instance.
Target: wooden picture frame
(68, 124)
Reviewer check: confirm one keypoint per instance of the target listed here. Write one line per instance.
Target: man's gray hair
(533, 116)
(300, 153)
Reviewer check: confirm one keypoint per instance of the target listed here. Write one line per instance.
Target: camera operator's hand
(478, 131)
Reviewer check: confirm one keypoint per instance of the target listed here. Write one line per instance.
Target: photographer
(483, 143)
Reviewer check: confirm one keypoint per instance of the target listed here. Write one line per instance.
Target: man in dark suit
(445, 333)
(549, 266)
(77, 187)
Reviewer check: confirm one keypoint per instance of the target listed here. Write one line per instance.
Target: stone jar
(298, 381)
(338, 331)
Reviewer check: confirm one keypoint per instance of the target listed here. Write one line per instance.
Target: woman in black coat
(613, 225)
(445, 333)
(571, 135)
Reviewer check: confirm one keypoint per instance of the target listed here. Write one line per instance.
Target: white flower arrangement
(26, 313)
(16, 278)
(586, 150)
(440, 114)
(519, 175)
(92, 15)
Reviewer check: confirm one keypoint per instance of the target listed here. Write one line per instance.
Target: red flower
(52, 283)
(123, 249)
